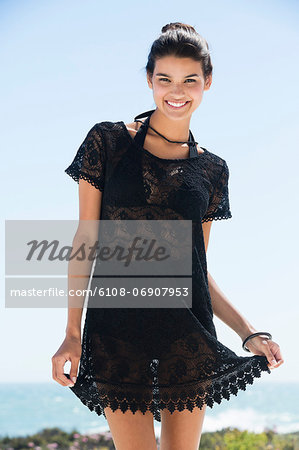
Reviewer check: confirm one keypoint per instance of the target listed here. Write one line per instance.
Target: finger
(277, 354)
(279, 357)
(270, 356)
(67, 375)
(74, 370)
(60, 377)
(54, 371)
(279, 362)
(56, 378)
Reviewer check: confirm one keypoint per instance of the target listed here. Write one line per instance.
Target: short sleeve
(219, 207)
(90, 160)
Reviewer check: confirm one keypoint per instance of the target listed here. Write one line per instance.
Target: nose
(177, 91)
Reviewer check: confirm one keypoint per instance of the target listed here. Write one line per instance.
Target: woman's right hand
(70, 350)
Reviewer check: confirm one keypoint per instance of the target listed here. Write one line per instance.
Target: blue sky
(69, 64)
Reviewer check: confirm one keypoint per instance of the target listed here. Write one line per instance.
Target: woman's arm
(90, 201)
(234, 319)
(222, 307)
(227, 312)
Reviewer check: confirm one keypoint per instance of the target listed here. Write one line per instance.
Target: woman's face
(178, 80)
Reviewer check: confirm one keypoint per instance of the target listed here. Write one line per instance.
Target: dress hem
(208, 391)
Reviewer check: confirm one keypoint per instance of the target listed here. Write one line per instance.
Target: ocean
(27, 408)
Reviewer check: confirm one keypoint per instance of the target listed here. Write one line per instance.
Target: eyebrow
(165, 75)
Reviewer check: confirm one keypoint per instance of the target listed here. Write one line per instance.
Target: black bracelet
(252, 335)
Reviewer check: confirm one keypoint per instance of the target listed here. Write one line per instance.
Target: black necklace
(193, 153)
(169, 140)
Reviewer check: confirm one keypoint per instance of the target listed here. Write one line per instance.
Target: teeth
(176, 104)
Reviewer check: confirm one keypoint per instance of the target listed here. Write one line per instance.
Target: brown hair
(180, 40)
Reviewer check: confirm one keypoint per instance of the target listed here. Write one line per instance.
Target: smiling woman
(146, 363)
(174, 91)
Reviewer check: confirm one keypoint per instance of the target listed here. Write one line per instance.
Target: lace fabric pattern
(89, 161)
(212, 377)
(152, 359)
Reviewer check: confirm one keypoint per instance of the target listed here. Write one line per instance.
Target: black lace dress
(151, 359)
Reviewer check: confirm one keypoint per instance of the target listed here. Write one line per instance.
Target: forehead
(173, 65)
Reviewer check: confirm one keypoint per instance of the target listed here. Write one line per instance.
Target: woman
(138, 364)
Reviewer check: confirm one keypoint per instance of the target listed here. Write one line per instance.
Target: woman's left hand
(266, 347)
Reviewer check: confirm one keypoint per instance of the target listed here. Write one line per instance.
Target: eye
(188, 79)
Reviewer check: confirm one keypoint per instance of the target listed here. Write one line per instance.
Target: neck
(176, 130)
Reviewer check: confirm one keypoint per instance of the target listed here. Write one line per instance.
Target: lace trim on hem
(217, 389)
(226, 216)
(83, 176)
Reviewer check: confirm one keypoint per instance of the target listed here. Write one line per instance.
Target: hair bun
(183, 41)
(178, 26)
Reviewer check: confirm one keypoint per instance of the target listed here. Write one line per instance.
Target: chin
(177, 115)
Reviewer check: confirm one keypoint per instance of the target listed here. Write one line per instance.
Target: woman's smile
(175, 105)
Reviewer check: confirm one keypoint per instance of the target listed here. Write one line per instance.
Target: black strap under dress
(136, 359)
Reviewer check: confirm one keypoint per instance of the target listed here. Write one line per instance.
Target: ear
(149, 81)
(208, 82)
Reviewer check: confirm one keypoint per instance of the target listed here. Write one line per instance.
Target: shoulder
(112, 137)
(107, 125)
(107, 130)
(216, 165)
(118, 128)
(216, 159)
